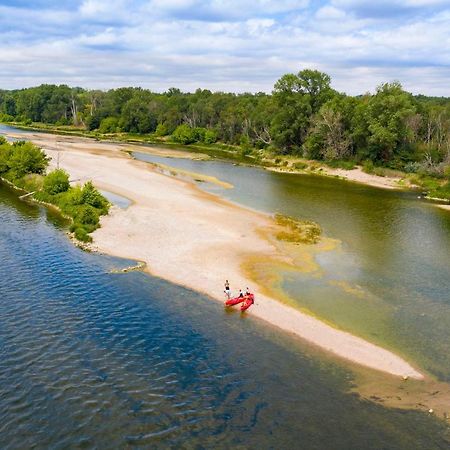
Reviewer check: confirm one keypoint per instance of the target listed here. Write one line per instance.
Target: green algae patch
(297, 231)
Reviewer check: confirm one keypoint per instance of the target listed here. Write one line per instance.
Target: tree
(137, 116)
(91, 196)
(184, 135)
(387, 116)
(109, 125)
(56, 182)
(298, 98)
(27, 158)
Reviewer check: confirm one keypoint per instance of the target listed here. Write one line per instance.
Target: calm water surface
(90, 359)
(388, 280)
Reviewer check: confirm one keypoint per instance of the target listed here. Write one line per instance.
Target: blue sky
(229, 45)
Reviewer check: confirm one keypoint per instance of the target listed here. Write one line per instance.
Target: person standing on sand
(227, 289)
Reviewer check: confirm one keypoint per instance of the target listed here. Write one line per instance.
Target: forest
(303, 116)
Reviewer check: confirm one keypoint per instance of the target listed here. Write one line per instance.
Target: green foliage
(6, 118)
(184, 134)
(303, 116)
(341, 164)
(162, 130)
(109, 125)
(86, 215)
(92, 197)
(23, 164)
(21, 158)
(82, 235)
(56, 182)
(210, 137)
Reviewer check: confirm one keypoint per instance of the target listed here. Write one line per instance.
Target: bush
(199, 134)
(86, 215)
(6, 118)
(300, 165)
(210, 137)
(412, 167)
(82, 235)
(184, 135)
(109, 125)
(27, 158)
(91, 196)
(341, 164)
(5, 157)
(161, 130)
(56, 182)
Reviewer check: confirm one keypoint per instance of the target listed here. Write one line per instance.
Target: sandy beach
(198, 240)
(357, 175)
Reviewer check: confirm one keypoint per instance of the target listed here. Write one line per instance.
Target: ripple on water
(93, 360)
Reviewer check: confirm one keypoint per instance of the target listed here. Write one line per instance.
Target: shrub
(412, 167)
(56, 182)
(300, 165)
(82, 235)
(210, 137)
(6, 118)
(199, 134)
(368, 166)
(86, 215)
(5, 157)
(161, 130)
(184, 134)
(91, 196)
(341, 164)
(109, 125)
(27, 158)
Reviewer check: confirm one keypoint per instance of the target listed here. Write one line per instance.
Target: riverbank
(276, 163)
(196, 240)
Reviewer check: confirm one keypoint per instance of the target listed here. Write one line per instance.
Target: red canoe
(235, 301)
(248, 302)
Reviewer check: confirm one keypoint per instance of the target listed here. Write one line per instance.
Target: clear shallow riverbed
(388, 279)
(90, 359)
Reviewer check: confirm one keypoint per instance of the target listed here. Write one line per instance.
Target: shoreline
(196, 239)
(356, 175)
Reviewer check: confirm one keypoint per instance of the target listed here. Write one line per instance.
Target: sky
(225, 45)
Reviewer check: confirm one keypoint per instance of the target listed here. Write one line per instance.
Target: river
(387, 279)
(91, 359)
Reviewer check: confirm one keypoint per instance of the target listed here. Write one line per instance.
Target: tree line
(302, 116)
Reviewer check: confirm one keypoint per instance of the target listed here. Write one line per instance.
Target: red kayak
(248, 302)
(235, 301)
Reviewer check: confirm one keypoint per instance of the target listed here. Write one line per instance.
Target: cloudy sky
(230, 45)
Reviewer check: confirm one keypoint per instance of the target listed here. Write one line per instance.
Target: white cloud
(226, 45)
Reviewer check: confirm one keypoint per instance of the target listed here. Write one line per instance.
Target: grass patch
(297, 231)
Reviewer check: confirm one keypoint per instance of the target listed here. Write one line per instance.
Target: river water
(91, 359)
(387, 279)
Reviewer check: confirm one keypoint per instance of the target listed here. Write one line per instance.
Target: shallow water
(90, 359)
(116, 199)
(388, 280)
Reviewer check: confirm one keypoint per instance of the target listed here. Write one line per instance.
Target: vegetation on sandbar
(297, 231)
(24, 165)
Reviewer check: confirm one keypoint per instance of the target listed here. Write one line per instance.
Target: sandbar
(197, 240)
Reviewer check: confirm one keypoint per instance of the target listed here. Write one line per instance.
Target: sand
(198, 240)
(357, 175)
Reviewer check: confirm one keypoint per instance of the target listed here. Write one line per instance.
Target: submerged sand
(198, 240)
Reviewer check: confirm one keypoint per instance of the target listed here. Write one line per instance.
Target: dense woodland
(303, 116)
